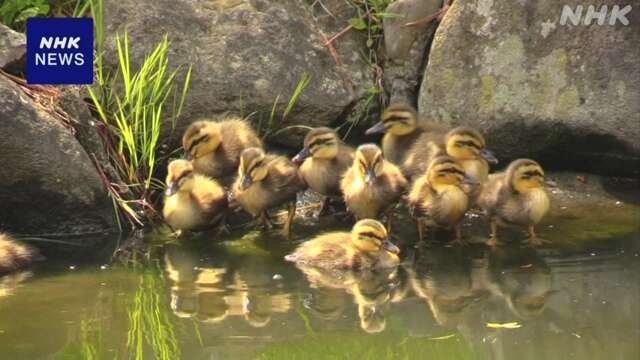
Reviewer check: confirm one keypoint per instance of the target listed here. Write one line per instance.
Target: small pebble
(72, 267)
(103, 267)
(277, 277)
(618, 202)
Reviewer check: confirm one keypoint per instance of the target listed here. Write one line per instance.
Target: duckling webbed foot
(533, 239)
(458, 240)
(264, 220)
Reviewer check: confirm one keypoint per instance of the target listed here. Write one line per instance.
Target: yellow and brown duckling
(516, 196)
(14, 254)
(437, 197)
(464, 144)
(402, 129)
(192, 201)
(323, 161)
(266, 181)
(372, 185)
(366, 247)
(215, 146)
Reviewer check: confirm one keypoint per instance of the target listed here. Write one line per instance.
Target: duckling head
(370, 236)
(526, 174)
(201, 138)
(464, 143)
(368, 162)
(320, 143)
(372, 318)
(253, 167)
(397, 119)
(179, 177)
(445, 170)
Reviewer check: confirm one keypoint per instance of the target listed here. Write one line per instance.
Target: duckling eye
(468, 143)
(531, 173)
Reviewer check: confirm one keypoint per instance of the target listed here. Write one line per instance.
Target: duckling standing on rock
(324, 160)
(192, 201)
(264, 182)
(14, 255)
(516, 197)
(365, 248)
(401, 130)
(372, 184)
(437, 197)
(216, 146)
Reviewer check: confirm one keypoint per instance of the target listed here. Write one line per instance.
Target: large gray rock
(569, 95)
(13, 46)
(246, 53)
(48, 184)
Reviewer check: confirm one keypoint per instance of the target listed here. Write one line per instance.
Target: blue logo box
(59, 50)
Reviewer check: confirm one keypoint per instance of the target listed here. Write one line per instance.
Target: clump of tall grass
(132, 105)
(265, 130)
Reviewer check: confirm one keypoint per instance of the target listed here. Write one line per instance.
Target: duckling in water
(14, 255)
(192, 201)
(401, 130)
(264, 182)
(372, 184)
(215, 147)
(516, 197)
(365, 248)
(464, 144)
(324, 160)
(437, 197)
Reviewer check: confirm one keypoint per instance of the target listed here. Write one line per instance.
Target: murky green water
(240, 300)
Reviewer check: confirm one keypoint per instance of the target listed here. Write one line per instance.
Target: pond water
(238, 299)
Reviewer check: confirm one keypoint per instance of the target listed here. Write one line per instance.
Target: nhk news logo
(59, 50)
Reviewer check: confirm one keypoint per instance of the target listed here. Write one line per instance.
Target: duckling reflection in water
(265, 182)
(192, 201)
(215, 147)
(366, 247)
(372, 185)
(516, 197)
(196, 292)
(443, 278)
(437, 197)
(323, 162)
(522, 278)
(14, 254)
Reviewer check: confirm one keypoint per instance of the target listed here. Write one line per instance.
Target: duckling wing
(283, 180)
(428, 145)
(237, 135)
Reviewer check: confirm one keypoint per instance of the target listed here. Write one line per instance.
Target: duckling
(14, 255)
(324, 160)
(464, 144)
(372, 184)
(192, 201)
(215, 147)
(401, 130)
(365, 248)
(264, 182)
(516, 197)
(437, 197)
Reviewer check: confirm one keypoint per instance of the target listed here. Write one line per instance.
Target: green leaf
(369, 42)
(358, 23)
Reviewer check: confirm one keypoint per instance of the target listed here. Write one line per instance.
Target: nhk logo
(60, 50)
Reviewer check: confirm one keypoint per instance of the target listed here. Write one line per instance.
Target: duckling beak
(369, 176)
(550, 183)
(172, 189)
(390, 247)
(470, 180)
(301, 156)
(245, 182)
(488, 155)
(376, 129)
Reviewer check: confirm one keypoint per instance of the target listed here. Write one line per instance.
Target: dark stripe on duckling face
(320, 142)
(197, 141)
(255, 165)
(531, 173)
(371, 234)
(468, 143)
